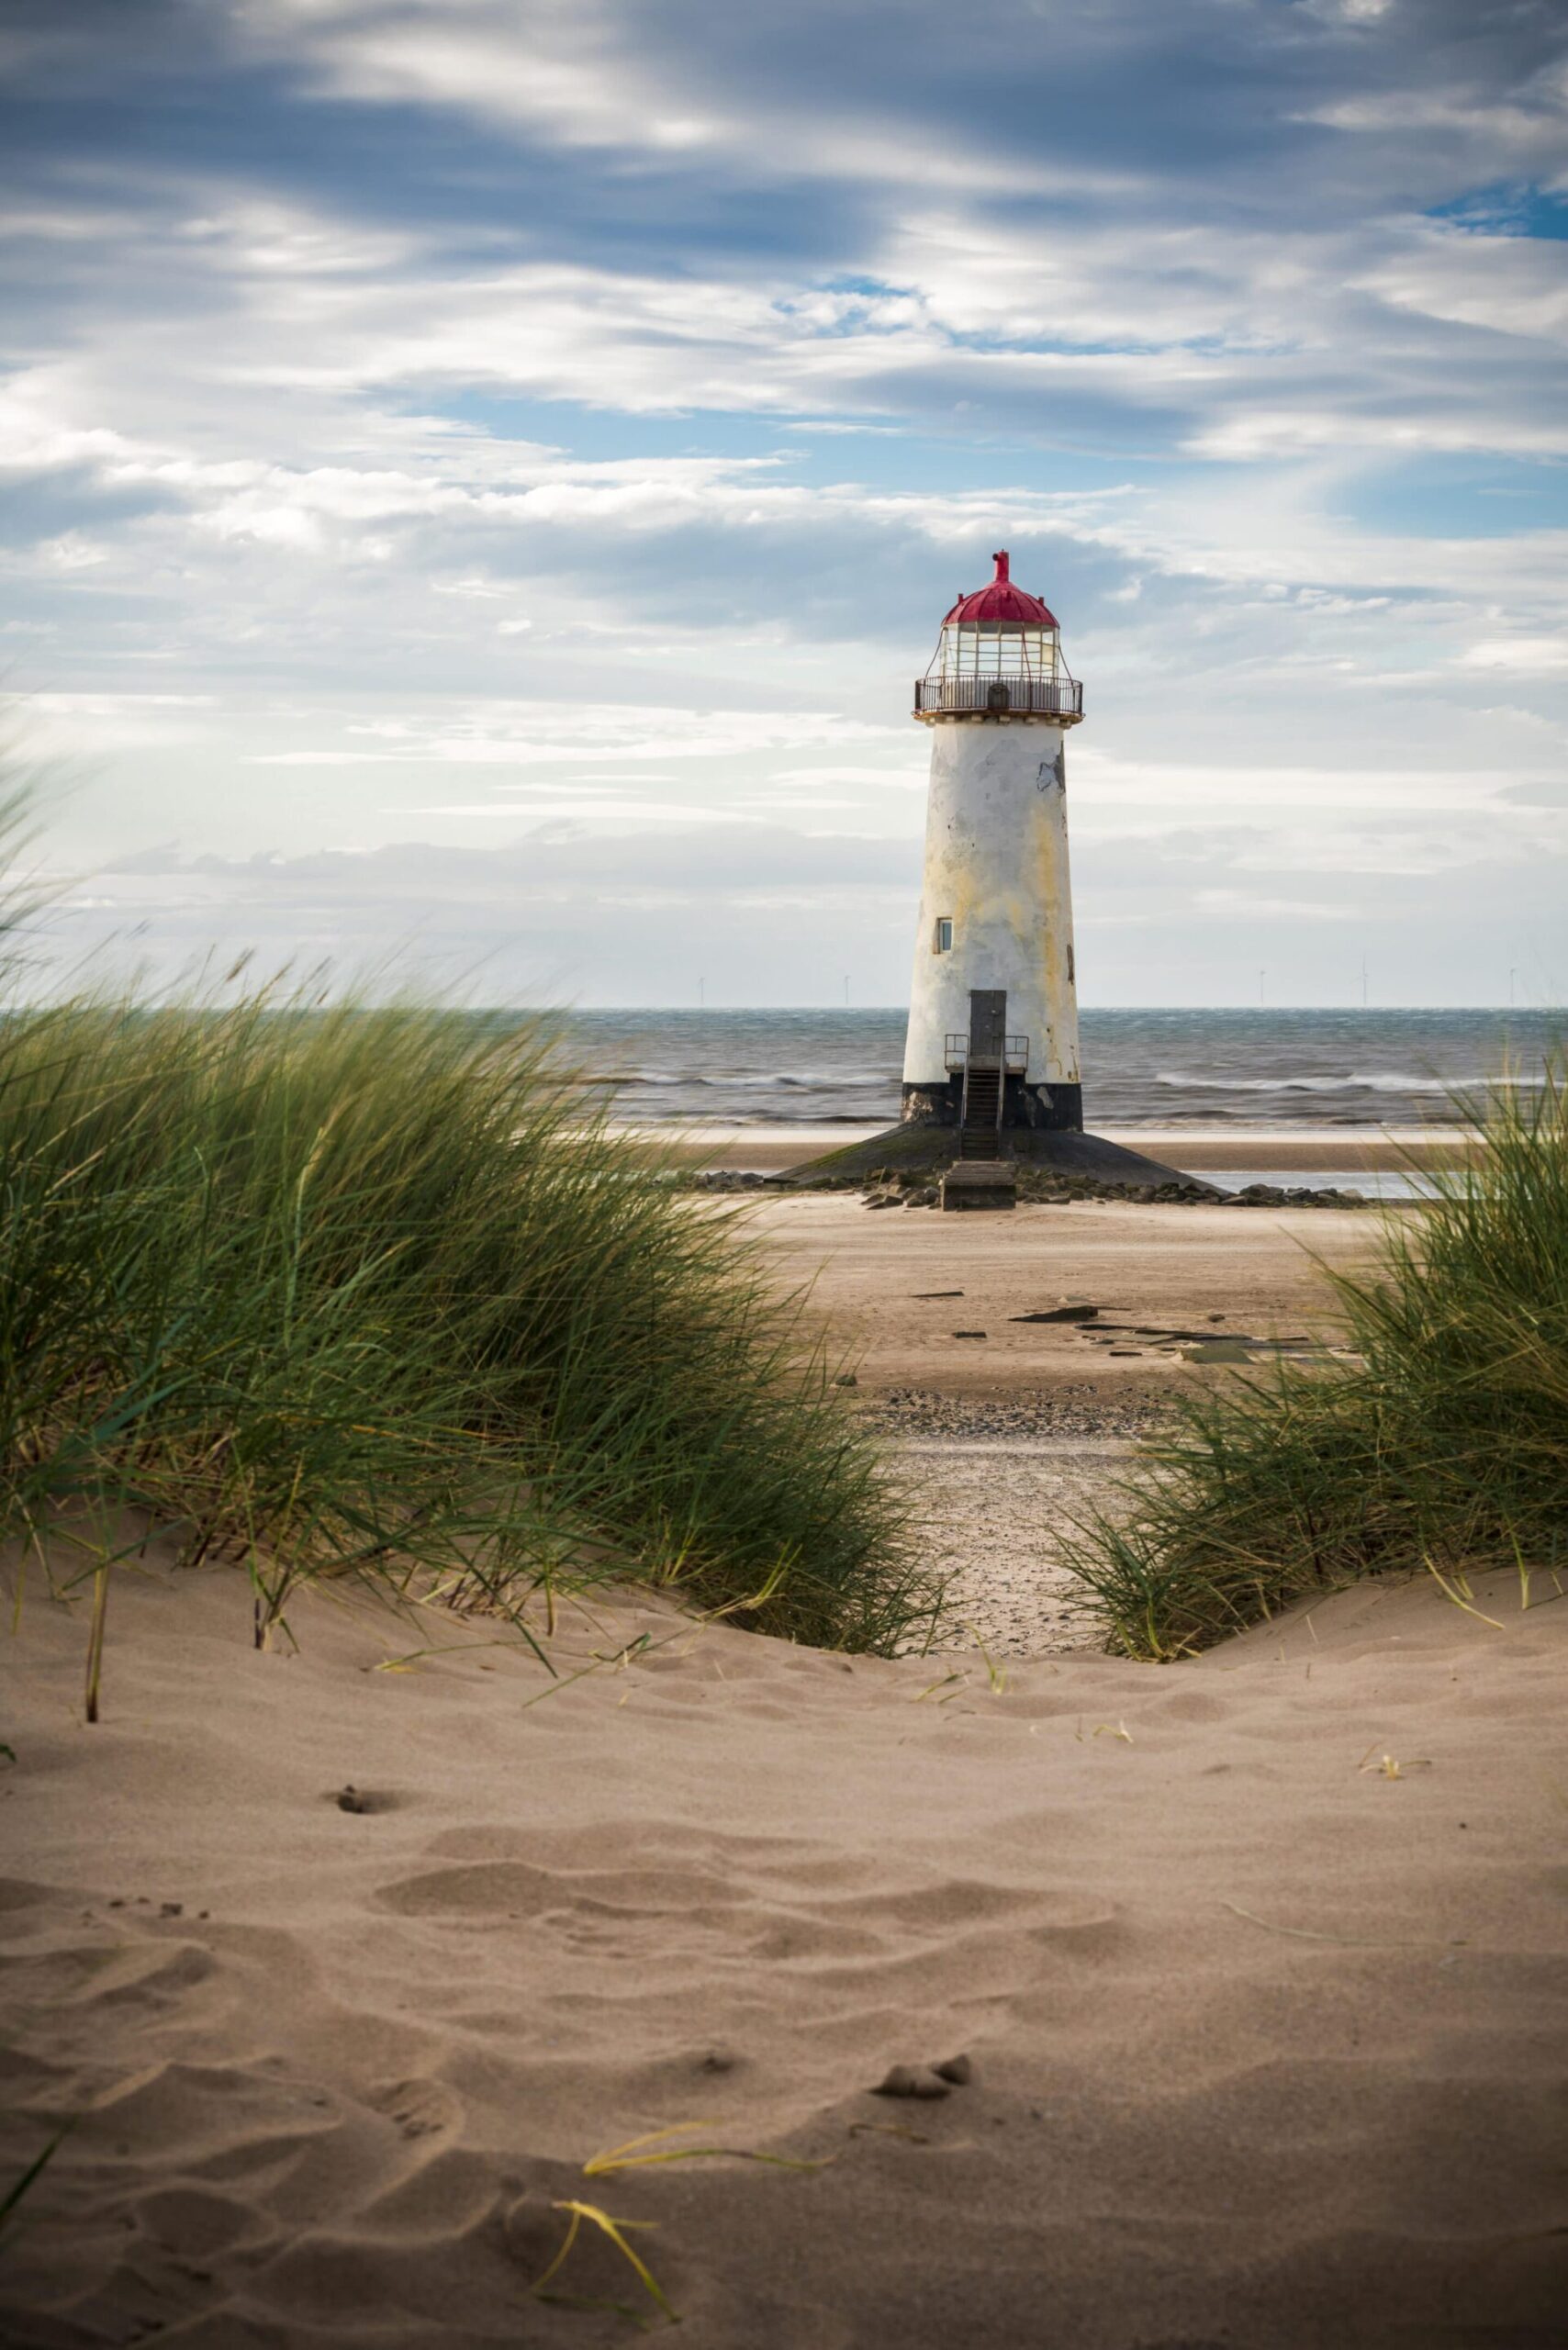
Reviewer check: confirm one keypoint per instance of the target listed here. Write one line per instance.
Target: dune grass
(1443, 1448)
(354, 1291)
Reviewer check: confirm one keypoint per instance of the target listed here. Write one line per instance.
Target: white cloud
(1515, 285)
(1520, 657)
(547, 733)
(570, 396)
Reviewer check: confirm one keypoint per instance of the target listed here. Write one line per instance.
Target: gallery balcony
(1060, 698)
(1014, 1057)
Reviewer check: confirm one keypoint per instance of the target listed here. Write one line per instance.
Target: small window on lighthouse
(944, 940)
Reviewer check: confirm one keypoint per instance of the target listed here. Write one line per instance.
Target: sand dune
(1269, 2045)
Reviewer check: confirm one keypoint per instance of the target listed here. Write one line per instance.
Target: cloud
(1520, 657)
(402, 394)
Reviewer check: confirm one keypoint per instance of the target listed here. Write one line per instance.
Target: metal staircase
(980, 1134)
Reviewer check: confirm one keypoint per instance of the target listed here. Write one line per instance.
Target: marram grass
(354, 1292)
(1443, 1446)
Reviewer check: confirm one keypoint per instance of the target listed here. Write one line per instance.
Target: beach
(988, 1994)
(944, 1301)
(349, 1961)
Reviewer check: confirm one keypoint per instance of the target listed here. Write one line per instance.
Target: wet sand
(879, 1278)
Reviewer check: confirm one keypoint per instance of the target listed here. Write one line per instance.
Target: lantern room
(999, 657)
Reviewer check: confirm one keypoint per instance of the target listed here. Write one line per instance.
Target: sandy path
(993, 1513)
(1267, 2044)
(1011, 1436)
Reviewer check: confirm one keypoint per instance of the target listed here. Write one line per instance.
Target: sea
(1161, 1069)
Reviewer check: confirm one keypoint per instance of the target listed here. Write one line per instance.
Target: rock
(846, 1378)
(959, 2070)
(902, 2080)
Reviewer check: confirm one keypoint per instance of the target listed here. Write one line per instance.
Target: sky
(478, 478)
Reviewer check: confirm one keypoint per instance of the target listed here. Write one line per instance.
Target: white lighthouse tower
(992, 1039)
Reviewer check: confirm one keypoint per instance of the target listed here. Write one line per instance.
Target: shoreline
(1346, 1150)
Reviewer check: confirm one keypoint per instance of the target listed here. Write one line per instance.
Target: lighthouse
(991, 1058)
(993, 1040)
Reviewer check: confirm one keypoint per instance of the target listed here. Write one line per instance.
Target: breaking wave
(1390, 1082)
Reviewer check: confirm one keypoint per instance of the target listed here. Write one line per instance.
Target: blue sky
(478, 476)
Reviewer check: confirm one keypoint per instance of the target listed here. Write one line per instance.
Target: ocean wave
(773, 1120)
(810, 1080)
(1381, 1082)
(771, 1081)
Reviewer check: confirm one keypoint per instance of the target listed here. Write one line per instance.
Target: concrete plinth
(917, 1148)
(980, 1183)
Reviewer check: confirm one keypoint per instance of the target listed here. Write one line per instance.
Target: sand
(1012, 1432)
(1268, 2034)
(1258, 1961)
(1160, 1269)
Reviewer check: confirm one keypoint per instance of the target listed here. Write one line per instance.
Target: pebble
(1065, 1411)
(884, 1187)
(902, 2080)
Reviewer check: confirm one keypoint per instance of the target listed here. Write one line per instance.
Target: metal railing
(1014, 1052)
(1000, 696)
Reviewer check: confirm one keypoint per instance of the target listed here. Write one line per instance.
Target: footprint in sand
(417, 2108)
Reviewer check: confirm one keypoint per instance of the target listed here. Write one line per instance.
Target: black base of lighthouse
(1051, 1109)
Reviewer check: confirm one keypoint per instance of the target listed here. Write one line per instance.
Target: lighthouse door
(987, 1023)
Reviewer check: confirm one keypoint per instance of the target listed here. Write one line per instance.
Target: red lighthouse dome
(1000, 602)
(999, 657)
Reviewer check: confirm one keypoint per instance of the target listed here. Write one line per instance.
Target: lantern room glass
(985, 649)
